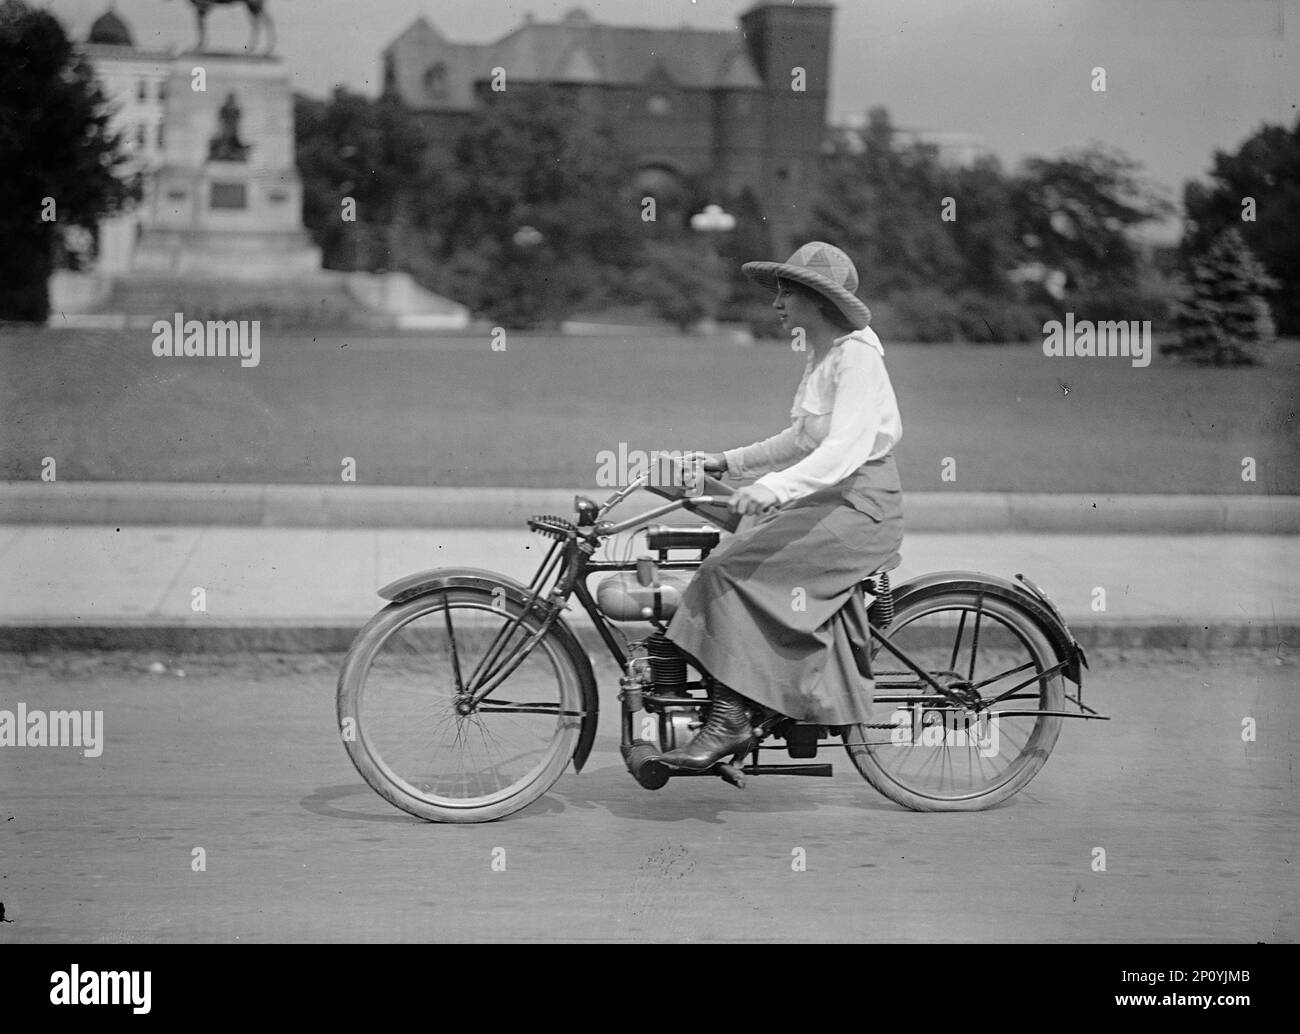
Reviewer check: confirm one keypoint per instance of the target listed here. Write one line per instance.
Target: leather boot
(728, 731)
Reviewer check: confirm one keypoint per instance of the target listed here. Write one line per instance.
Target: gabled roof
(419, 31)
(692, 58)
(577, 49)
(577, 66)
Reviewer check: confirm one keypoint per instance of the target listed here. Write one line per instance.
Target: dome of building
(111, 30)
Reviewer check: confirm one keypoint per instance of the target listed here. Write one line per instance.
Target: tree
(880, 201)
(681, 280)
(62, 166)
(1226, 318)
(1256, 190)
(984, 228)
(541, 216)
(1075, 213)
(743, 301)
(372, 152)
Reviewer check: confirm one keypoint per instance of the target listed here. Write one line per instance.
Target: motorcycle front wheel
(404, 718)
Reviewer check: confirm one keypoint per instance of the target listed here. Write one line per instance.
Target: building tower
(790, 47)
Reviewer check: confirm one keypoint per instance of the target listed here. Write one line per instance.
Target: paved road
(241, 759)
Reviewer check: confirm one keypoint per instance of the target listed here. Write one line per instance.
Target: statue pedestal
(220, 232)
(211, 213)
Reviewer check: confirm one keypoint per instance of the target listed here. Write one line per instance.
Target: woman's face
(795, 308)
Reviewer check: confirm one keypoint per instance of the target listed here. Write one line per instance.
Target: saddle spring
(881, 611)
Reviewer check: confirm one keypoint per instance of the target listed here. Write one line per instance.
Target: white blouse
(844, 414)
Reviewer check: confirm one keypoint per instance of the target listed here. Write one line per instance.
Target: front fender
(412, 586)
(1023, 593)
(424, 582)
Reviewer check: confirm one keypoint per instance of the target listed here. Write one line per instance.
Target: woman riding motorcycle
(772, 614)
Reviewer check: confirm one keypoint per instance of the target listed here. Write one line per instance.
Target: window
(142, 90)
(435, 81)
(162, 89)
(228, 195)
(161, 136)
(141, 135)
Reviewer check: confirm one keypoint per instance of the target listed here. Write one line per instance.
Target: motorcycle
(469, 695)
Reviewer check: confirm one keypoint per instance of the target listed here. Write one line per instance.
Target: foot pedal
(730, 774)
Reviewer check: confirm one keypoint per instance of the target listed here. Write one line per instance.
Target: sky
(1183, 77)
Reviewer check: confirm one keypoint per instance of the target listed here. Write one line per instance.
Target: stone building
(730, 110)
(134, 81)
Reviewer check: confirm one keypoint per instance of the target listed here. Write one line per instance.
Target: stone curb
(358, 506)
(336, 636)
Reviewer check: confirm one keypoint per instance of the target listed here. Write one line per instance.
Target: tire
(918, 629)
(394, 665)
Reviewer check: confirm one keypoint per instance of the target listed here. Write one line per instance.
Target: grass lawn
(442, 410)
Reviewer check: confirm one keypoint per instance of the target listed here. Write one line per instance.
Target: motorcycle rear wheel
(929, 756)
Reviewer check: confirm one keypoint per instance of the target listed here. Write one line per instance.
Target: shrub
(930, 315)
(985, 320)
(922, 314)
(680, 281)
(1154, 297)
(756, 314)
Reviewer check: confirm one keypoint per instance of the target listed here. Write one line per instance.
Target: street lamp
(527, 237)
(712, 222)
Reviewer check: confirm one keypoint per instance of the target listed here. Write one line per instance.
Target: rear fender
(1031, 600)
(425, 583)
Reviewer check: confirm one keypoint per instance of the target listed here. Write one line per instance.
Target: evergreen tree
(1225, 320)
(1257, 190)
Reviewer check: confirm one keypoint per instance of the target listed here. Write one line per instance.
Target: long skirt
(775, 612)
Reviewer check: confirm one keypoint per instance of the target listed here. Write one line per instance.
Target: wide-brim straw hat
(824, 268)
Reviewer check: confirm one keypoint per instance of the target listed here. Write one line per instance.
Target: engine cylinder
(667, 664)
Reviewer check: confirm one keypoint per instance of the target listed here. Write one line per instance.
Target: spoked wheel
(929, 755)
(412, 733)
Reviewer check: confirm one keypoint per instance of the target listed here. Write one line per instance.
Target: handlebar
(605, 528)
(622, 494)
(679, 497)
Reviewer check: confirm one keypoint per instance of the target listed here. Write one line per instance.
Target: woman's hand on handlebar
(714, 463)
(752, 499)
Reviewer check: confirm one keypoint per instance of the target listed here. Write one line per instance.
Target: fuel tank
(622, 598)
